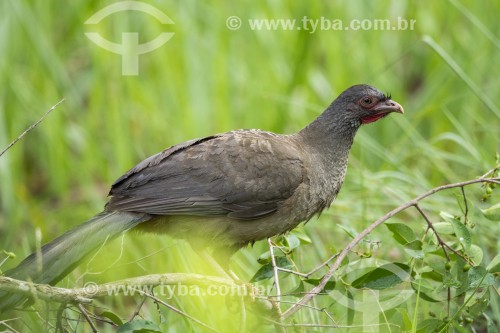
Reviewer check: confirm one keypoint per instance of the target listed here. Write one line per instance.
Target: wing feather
(243, 174)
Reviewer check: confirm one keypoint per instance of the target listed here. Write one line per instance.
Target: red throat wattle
(372, 118)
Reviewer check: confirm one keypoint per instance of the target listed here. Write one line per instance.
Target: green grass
(209, 79)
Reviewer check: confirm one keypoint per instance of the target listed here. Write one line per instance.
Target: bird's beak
(388, 106)
(381, 110)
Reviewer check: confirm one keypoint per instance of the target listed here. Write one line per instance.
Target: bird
(223, 191)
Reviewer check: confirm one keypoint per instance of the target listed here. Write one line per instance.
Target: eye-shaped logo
(130, 49)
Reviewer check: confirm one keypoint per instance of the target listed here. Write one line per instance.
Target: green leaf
(437, 263)
(383, 277)
(494, 265)
(479, 305)
(402, 233)
(492, 213)
(414, 249)
(460, 230)
(292, 242)
(462, 234)
(447, 216)
(113, 317)
(444, 228)
(475, 254)
(430, 325)
(426, 291)
(405, 318)
(479, 276)
(280, 240)
(264, 258)
(460, 276)
(302, 236)
(139, 326)
(432, 275)
(329, 286)
(348, 230)
(266, 271)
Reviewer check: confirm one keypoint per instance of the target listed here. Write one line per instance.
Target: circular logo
(233, 23)
(376, 295)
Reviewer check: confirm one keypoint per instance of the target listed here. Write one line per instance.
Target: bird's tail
(58, 258)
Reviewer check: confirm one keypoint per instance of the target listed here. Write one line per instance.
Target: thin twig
(138, 309)
(43, 319)
(182, 313)
(322, 265)
(441, 243)
(345, 251)
(314, 270)
(4, 323)
(276, 302)
(491, 172)
(329, 315)
(466, 205)
(305, 306)
(89, 320)
(286, 270)
(431, 227)
(275, 271)
(31, 127)
(103, 320)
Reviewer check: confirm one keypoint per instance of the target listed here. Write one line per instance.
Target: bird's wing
(244, 174)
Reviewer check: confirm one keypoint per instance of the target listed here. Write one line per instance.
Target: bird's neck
(326, 143)
(332, 134)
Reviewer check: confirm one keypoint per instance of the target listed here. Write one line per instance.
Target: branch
(275, 271)
(440, 241)
(317, 289)
(431, 227)
(91, 290)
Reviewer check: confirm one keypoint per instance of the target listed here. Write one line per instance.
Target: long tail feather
(58, 258)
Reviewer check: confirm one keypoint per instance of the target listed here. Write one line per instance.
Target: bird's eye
(367, 101)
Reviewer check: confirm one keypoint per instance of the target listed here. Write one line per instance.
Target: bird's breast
(325, 178)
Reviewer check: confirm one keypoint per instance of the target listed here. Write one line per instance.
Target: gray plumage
(225, 190)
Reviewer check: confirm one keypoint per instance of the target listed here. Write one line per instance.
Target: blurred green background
(209, 79)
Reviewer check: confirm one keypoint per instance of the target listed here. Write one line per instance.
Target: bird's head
(364, 104)
(357, 105)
